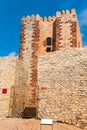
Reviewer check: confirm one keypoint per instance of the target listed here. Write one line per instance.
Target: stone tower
(40, 36)
(55, 33)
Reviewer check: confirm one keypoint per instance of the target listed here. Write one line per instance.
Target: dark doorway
(48, 49)
(29, 112)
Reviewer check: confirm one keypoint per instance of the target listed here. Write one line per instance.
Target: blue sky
(11, 12)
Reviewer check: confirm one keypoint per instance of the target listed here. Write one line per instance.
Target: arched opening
(48, 44)
(48, 41)
(29, 112)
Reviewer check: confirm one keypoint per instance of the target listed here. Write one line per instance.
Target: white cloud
(12, 54)
(82, 34)
(83, 18)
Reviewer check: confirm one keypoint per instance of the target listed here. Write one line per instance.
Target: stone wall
(62, 82)
(7, 78)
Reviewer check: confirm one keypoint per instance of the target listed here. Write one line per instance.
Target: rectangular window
(48, 49)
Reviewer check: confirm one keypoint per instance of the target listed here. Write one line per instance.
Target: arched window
(48, 41)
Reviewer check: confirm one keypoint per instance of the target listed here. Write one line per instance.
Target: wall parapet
(49, 18)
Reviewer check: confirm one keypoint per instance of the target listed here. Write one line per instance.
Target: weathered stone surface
(26, 73)
(7, 77)
(63, 75)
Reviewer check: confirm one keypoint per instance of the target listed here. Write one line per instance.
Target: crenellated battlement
(63, 13)
(37, 17)
(67, 12)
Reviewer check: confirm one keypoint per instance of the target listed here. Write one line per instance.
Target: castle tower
(25, 93)
(40, 36)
